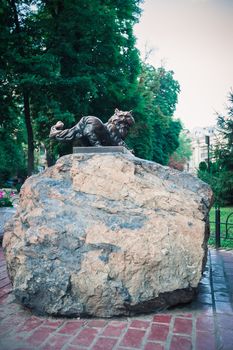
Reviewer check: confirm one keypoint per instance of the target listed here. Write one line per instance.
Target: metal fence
(221, 229)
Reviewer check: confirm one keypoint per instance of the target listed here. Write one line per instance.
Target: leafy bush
(6, 198)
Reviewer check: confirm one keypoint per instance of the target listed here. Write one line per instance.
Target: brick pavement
(204, 324)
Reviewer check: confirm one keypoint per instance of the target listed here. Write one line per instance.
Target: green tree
(220, 176)
(64, 59)
(224, 155)
(12, 135)
(157, 133)
(141, 137)
(95, 62)
(15, 56)
(183, 153)
(67, 58)
(27, 68)
(166, 129)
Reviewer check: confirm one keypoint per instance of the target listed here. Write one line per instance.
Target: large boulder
(107, 234)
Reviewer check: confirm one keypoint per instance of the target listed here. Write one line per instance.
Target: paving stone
(204, 323)
(182, 325)
(97, 323)
(154, 346)
(205, 309)
(114, 330)
(185, 315)
(4, 282)
(104, 343)
(228, 264)
(203, 288)
(55, 342)
(226, 339)
(122, 324)
(205, 341)
(30, 324)
(219, 280)
(226, 256)
(85, 337)
(223, 307)
(225, 321)
(71, 327)
(220, 287)
(53, 323)
(39, 336)
(3, 299)
(218, 272)
(159, 332)
(181, 343)
(222, 296)
(162, 318)
(5, 290)
(140, 324)
(3, 268)
(133, 338)
(229, 272)
(205, 298)
(10, 324)
(74, 347)
(205, 280)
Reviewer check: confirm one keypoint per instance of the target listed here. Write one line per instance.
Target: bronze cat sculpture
(91, 131)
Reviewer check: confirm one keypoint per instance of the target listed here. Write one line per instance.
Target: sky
(193, 38)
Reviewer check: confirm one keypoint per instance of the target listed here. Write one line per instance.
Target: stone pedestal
(107, 235)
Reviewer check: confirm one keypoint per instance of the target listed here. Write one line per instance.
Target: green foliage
(220, 176)
(156, 134)
(67, 59)
(183, 153)
(203, 167)
(166, 129)
(12, 128)
(6, 198)
(70, 58)
(12, 158)
(97, 63)
(184, 150)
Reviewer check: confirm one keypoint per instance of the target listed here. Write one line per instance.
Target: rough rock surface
(106, 235)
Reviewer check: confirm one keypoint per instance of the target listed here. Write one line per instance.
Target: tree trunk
(26, 103)
(28, 123)
(50, 159)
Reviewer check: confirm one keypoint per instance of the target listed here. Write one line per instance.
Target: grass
(225, 212)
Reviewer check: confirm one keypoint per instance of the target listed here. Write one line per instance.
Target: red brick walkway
(205, 324)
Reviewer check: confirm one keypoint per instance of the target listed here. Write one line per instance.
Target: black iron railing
(222, 229)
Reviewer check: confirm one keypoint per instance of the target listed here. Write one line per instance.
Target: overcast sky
(194, 38)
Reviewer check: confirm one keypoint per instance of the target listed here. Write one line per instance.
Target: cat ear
(131, 111)
(117, 111)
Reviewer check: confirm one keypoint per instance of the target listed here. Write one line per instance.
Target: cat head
(122, 117)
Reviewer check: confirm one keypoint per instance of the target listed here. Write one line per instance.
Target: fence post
(217, 227)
